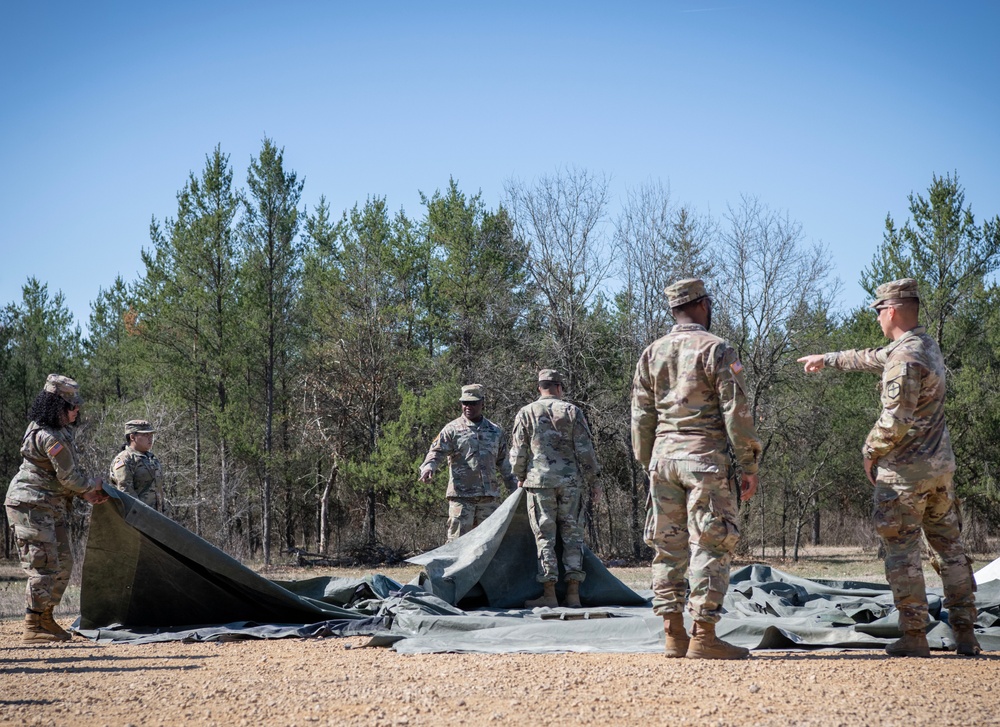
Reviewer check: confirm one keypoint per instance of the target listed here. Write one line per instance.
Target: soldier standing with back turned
(908, 459)
(688, 408)
(552, 455)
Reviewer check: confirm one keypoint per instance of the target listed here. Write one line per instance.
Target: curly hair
(48, 409)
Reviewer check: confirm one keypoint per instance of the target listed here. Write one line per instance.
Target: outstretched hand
(813, 363)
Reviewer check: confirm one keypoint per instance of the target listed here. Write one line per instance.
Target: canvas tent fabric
(494, 565)
(142, 569)
(145, 578)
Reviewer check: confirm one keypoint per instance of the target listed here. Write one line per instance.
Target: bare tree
(561, 219)
(770, 283)
(656, 243)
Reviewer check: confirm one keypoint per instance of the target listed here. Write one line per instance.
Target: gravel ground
(333, 681)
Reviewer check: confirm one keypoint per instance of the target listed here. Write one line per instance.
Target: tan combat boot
(548, 597)
(966, 642)
(706, 645)
(49, 624)
(677, 639)
(572, 594)
(34, 633)
(913, 643)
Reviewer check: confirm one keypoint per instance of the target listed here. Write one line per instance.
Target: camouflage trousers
(555, 514)
(692, 527)
(465, 513)
(901, 511)
(42, 538)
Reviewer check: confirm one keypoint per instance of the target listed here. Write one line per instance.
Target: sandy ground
(333, 681)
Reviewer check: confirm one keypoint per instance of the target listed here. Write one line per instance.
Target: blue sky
(833, 112)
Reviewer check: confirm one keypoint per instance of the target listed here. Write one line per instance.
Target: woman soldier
(135, 469)
(38, 502)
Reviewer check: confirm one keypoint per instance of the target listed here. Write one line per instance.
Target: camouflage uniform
(38, 502)
(915, 464)
(552, 455)
(138, 473)
(689, 406)
(474, 450)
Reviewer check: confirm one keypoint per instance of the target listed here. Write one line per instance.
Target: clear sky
(831, 111)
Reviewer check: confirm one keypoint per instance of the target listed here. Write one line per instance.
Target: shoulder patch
(55, 448)
(736, 367)
(119, 464)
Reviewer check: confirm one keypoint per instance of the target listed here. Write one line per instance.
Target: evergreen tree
(271, 273)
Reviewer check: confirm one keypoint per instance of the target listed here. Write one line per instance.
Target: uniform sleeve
(520, 439)
(643, 412)
(583, 445)
(441, 447)
(900, 391)
(731, 387)
(122, 472)
(70, 475)
(860, 359)
(503, 463)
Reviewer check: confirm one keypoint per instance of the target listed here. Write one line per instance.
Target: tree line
(298, 362)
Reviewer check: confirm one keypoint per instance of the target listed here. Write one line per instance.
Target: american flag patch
(55, 449)
(736, 367)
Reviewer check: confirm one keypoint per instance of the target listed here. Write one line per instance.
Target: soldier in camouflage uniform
(688, 409)
(135, 469)
(475, 448)
(38, 501)
(552, 456)
(908, 459)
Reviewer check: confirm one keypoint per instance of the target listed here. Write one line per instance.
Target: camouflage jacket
(910, 440)
(551, 445)
(50, 471)
(138, 473)
(474, 452)
(689, 400)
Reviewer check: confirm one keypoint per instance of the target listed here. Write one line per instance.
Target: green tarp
(145, 578)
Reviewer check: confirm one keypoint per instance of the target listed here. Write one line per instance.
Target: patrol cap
(685, 291)
(550, 375)
(895, 290)
(139, 426)
(473, 393)
(67, 389)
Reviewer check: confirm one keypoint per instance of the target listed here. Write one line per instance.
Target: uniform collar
(912, 333)
(678, 327)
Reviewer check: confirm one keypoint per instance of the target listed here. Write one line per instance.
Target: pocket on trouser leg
(716, 534)
(886, 515)
(39, 557)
